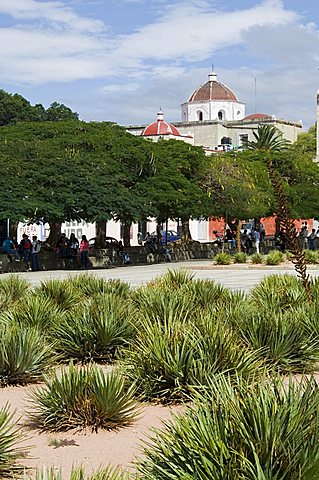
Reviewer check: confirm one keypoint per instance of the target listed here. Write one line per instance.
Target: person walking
(35, 252)
(84, 252)
(312, 240)
(256, 238)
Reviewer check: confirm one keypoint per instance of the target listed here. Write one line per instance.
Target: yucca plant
(36, 311)
(169, 359)
(172, 280)
(12, 289)
(275, 257)
(90, 285)
(222, 258)
(264, 430)
(205, 294)
(257, 258)
(10, 451)
(96, 331)
(280, 338)
(83, 398)
(24, 354)
(240, 257)
(61, 293)
(278, 292)
(311, 256)
(78, 473)
(164, 304)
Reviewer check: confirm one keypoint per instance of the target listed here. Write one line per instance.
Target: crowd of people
(28, 250)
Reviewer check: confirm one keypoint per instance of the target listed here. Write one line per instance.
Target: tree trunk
(13, 229)
(127, 234)
(239, 224)
(100, 234)
(55, 232)
(158, 232)
(186, 234)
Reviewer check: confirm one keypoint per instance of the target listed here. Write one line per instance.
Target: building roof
(257, 116)
(160, 127)
(213, 90)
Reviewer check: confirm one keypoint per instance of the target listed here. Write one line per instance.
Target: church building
(214, 118)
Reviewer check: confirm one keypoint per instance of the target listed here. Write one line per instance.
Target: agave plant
(83, 398)
(90, 285)
(240, 431)
(61, 293)
(257, 258)
(222, 258)
(240, 257)
(24, 354)
(78, 473)
(96, 331)
(172, 280)
(281, 338)
(278, 292)
(12, 289)
(10, 437)
(275, 257)
(36, 311)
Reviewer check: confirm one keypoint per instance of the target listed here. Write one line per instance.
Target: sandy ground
(91, 450)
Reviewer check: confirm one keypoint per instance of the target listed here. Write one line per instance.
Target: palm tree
(269, 139)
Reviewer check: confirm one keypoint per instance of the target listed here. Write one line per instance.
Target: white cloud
(55, 12)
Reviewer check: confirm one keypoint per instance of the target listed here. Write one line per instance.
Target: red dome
(213, 90)
(160, 128)
(257, 116)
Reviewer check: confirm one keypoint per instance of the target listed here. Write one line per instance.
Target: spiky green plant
(278, 292)
(83, 398)
(96, 331)
(36, 311)
(275, 257)
(206, 293)
(24, 354)
(61, 293)
(311, 256)
(280, 338)
(78, 473)
(240, 257)
(169, 358)
(13, 289)
(257, 258)
(222, 258)
(264, 430)
(10, 451)
(90, 285)
(172, 280)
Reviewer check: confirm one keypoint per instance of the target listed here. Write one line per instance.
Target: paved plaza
(236, 277)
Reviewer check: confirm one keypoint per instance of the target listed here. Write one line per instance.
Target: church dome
(257, 116)
(160, 127)
(213, 90)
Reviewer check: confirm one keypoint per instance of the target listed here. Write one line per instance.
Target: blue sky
(119, 60)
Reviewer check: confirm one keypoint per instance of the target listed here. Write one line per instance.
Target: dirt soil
(91, 450)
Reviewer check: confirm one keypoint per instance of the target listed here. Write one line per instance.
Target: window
(243, 138)
(220, 115)
(200, 116)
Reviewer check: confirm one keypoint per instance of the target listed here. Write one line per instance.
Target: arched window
(200, 116)
(220, 115)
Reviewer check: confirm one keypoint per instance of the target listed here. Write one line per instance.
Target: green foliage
(240, 430)
(311, 256)
(90, 285)
(10, 437)
(257, 258)
(96, 331)
(78, 473)
(12, 289)
(222, 258)
(281, 338)
(24, 355)
(240, 257)
(268, 138)
(61, 293)
(171, 356)
(83, 398)
(278, 292)
(275, 257)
